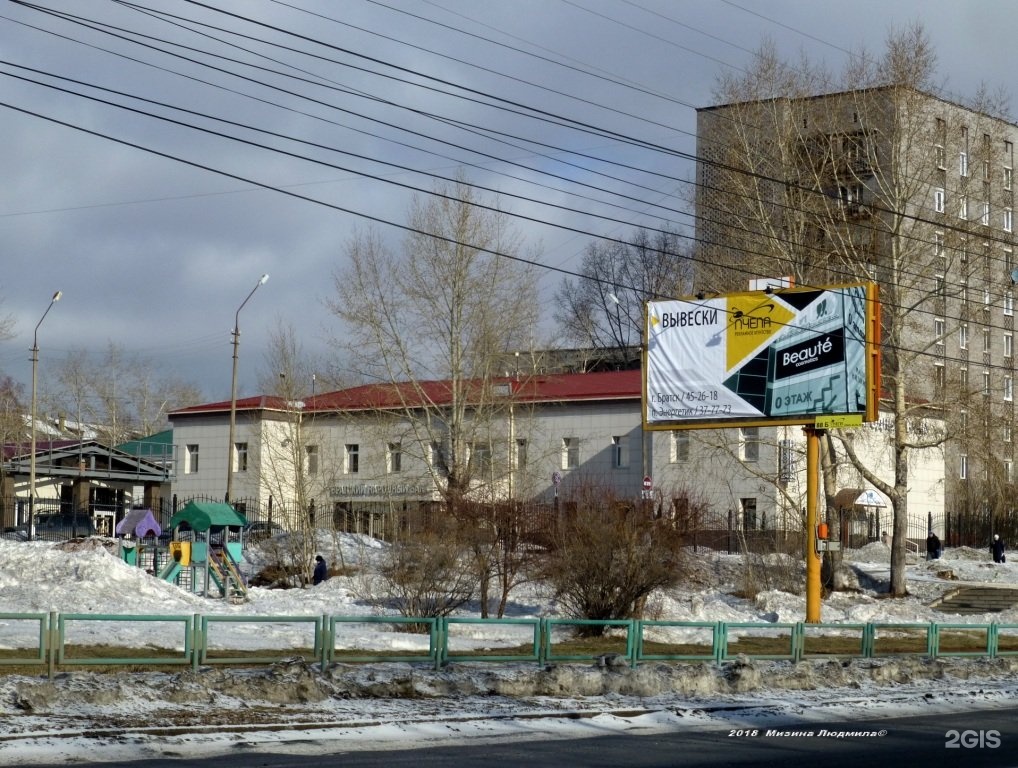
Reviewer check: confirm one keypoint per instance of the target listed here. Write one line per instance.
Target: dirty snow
(138, 714)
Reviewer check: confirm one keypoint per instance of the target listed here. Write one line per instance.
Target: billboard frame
(871, 355)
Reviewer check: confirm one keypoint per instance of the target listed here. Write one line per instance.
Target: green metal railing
(68, 640)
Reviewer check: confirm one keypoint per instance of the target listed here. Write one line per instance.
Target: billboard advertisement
(787, 356)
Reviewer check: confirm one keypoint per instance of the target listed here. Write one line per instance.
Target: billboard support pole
(812, 546)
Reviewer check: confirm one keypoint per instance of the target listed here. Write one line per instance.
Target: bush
(609, 556)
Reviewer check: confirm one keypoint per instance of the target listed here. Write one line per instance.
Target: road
(976, 739)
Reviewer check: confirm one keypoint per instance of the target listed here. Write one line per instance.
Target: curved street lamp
(31, 459)
(233, 390)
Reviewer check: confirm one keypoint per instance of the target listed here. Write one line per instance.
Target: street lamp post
(233, 390)
(35, 377)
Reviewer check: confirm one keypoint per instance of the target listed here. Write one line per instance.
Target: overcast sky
(156, 252)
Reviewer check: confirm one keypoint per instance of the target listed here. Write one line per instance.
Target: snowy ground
(134, 715)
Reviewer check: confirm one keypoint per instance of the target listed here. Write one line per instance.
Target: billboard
(787, 356)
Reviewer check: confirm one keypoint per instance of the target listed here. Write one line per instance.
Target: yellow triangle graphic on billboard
(753, 321)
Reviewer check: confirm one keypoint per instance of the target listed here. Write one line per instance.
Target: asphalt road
(977, 739)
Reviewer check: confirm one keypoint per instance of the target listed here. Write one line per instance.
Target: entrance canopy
(202, 515)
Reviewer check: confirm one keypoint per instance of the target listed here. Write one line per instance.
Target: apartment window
(938, 245)
(1007, 433)
(963, 336)
(940, 286)
(1008, 219)
(986, 382)
(352, 459)
(963, 207)
(192, 458)
(620, 452)
(984, 219)
(963, 467)
(240, 457)
(939, 377)
(1008, 345)
(750, 443)
(1009, 471)
(963, 418)
(940, 156)
(394, 457)
(1008, 260)
(963, 377)
(311, 457)
(570, 452)
(680, 445)
(938, 330)
(986, 299)
(963, 163)
(1008, 178)
(1009, 303)
(1008, 389)
(986, 339)
(939, 201)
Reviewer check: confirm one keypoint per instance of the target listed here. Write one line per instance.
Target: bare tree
(446, 308)
(603, 308)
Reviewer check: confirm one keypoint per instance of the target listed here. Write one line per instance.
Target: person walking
(997, 548)
(321, 570)
(932, 546)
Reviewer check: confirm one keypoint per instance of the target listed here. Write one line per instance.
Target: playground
(202, 554)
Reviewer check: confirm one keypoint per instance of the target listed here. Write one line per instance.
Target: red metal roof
(567, 387)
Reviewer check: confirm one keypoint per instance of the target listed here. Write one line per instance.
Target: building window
(986, 339)
(240, 457)
(394, 457)
(1009, 303)
(1009, 471)
(984, 219)
(479, 459)
(311, 454)
(1007, 433)
(963, 467)
(1008, 178)
(940, 156)
(939, 378)
(938, 245)
(1008, 219)
(938, 330)
(750, 443)
(1008, 345)
(1008, 389)
(521, 454)
(963, 207)
(620, 452)
(352, 459)
(939, 204)
(192, 459)
(680, 445)
(986, 382)
(963, 377)
(940, 286)
(570, 452)
(963, 336)
(748, 514)
(438, 462)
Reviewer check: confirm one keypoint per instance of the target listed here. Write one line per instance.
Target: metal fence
(327, 640)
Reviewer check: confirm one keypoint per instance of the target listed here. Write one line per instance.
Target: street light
(233, 390)
(31, 458)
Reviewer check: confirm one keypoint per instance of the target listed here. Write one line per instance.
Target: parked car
(261, 529)
(55, 526)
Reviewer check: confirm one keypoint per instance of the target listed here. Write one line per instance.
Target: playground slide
(170, 570)
(222, 570)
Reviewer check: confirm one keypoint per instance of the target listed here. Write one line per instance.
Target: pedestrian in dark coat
(321, 570)
(932, 546)
(997, 548)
